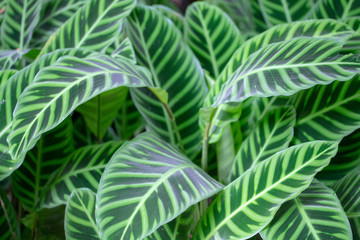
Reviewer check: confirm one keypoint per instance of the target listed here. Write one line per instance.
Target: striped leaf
(249, 203)
(9, 226)
(82, 170)
(354, 23)
(177, 229)
(272, 134)
(9, 95)
(160, 48)
(54, 14)
(100, 111)
(50, 153)
(20, 20)
(315, 214)
(8, 58)
(82, 134)
(352, 44)
(2, 11)
(225, 154)
(93, 26)
(321, 117)
(336, 9)
(283, 11)
(5, 75)
(173, 15)
(346, 160)
(68, 81)
(259, 21)
(212, 36)
(146, 184)
(125, 50)
(80, 216)
(315, 28)
(239, 11)
(348, 191)
(287, 67)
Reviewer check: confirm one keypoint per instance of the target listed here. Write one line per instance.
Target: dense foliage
(125, 119)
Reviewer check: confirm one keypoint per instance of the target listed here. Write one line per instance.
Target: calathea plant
(126, 120)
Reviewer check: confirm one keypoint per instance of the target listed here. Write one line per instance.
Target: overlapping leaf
(93, 27)
(8, 58)
(82, 170)
(20, 20)
(354, 23)
(80, 216)
(124, 50)
(272, 134)
(287, 67)
(315, 214)
(336, 9)
(49, 154)
(249, 203)
(346, 159)
(348, 191)
(146, 184)
(5, 75)
(9, 95)
(9, 225)
(239, 11)
(54, 14)
(320, 117)
(67, 84)
(212, 36)
(177, 229)
(160, 47)
(283, 11)
(173, 15)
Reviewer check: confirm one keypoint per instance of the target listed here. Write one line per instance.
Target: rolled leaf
(249, 203)
(147, 183)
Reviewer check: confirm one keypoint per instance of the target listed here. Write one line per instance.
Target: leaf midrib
(223, 222)
(306, 218)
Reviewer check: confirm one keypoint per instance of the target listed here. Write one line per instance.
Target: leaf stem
(204, 156)
(176, 130)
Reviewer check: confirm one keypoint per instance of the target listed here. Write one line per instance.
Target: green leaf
(9, 95)
(9, 226)
(287, 67)
(80, 216)
(173, 15)
(346, 160)
(100, 112)
(212, 36)
(249, 203)
(321, 117)
(272, 134)
(92, 27)
(259, 22)
(314, 28)
(283, 11)
(50, 152)
(177, 229)
(82, 170)
(125, 50)
(68, 81)
(20, 20)
(337, 9)
(315, 214)
(352, 44)
(8, 58)
(239, 11)
(348, 191)
(225, 154)
(5, 75)
(174, 68)
(354, 23)
(146, 184)
(53, 15)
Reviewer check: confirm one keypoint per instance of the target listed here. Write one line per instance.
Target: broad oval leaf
(9, 95)
(9, 226)
(272, 134)
(20, 20)
(92, 27)
(287, 67)
(50, 153)
(348, 191)
(321, 117)
(160, 48)
(80, 216)
(146, 184)
(249, 203)
(82, 170)
(337, 9)
(315, 214)
(212, 36)
(68, 83)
